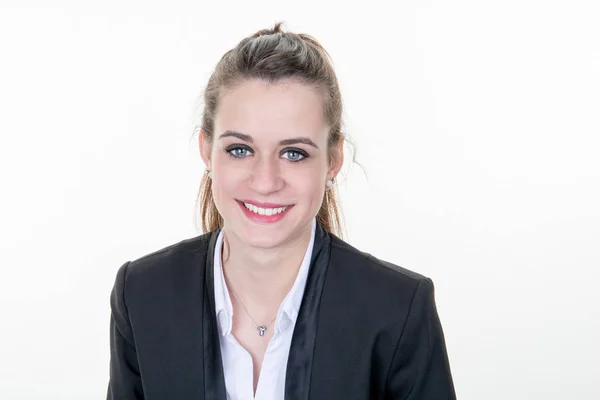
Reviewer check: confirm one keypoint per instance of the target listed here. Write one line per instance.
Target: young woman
(270, 303)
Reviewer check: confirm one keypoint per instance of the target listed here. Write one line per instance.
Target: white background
(477, 123)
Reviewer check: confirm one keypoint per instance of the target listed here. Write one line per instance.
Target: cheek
(226, 164)
(310, 183)
(227, 182)
(226, 169)
(307, 175)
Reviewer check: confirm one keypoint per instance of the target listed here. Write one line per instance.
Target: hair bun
(274, 30)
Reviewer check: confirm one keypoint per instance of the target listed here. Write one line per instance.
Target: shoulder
(367, 264)
(372, 297)
(172, 253)
(159, 284)
(172, 262)
(368, 277)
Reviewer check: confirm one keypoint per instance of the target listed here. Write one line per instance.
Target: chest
(255, 340)
(254, 366)
(251, 340)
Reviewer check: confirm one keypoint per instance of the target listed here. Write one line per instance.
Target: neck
(262, 275)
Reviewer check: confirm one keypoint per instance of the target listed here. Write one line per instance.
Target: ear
(337, 159)
(205, 149)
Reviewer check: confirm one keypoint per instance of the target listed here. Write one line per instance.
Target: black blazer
(366, 329)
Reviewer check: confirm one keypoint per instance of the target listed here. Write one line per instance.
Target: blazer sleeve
(420, 369)
(125, 381)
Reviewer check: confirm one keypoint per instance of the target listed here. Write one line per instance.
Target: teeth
(264, 211)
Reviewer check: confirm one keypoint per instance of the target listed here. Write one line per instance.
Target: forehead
(272, 110)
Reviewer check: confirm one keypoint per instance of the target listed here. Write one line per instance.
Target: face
(269, 161)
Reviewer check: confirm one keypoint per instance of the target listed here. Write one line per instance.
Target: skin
(263, 259)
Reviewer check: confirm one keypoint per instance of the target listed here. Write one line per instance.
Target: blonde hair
(273, 55)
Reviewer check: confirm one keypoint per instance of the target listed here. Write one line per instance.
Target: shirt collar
(290, 305)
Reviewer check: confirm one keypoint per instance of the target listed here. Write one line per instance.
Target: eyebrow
(285, 142)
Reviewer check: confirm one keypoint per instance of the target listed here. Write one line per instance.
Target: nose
(265, 176)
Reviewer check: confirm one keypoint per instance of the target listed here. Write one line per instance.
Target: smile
(267, 214)
(264, 211)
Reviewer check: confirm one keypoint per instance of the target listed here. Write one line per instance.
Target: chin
(263, 243)
(267, 236)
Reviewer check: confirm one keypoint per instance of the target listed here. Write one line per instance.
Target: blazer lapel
(214, 381)
(300, 359)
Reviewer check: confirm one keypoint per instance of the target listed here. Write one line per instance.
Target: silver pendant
(261, 330)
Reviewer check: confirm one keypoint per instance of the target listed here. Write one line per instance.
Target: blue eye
(238, 151)
(294, 155)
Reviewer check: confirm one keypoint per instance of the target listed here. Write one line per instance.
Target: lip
(263, 219)
(264, 205)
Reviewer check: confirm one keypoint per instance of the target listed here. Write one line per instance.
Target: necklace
(261, 328)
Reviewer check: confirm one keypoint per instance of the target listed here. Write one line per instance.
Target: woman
(270, 303)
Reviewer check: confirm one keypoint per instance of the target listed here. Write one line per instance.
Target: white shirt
(237, 362)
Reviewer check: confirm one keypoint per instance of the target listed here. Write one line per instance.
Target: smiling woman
(269, 302)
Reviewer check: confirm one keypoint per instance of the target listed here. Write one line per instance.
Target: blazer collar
(299, 365)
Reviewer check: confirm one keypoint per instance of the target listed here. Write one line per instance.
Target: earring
(329, 183)
(209, 173)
